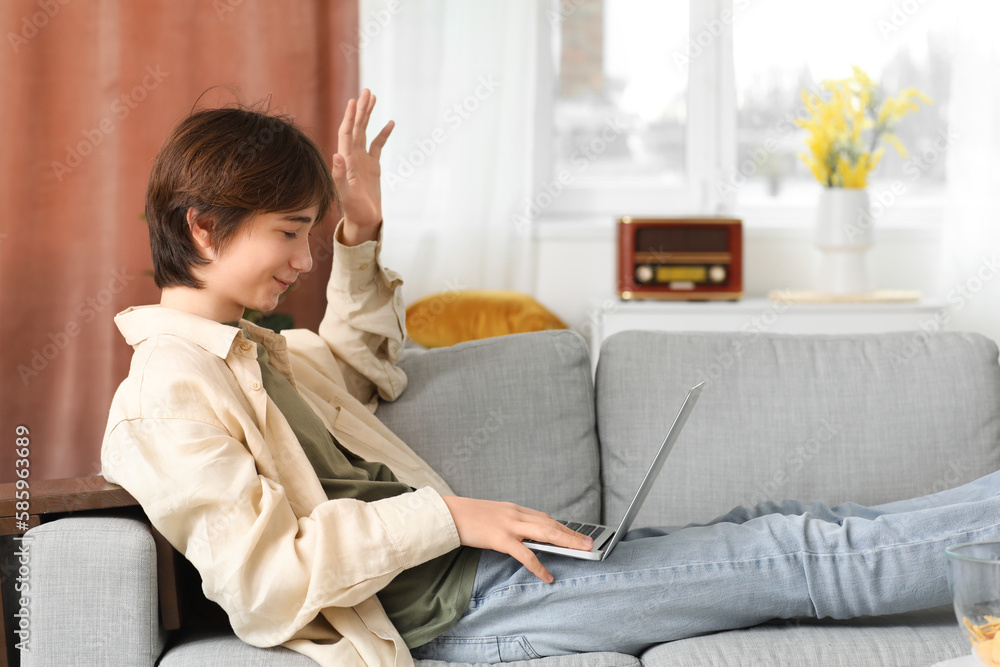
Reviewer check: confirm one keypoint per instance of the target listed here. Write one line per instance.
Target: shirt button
(246, 346)
(255, 386)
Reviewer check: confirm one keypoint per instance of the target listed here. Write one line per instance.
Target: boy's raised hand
(356, 171)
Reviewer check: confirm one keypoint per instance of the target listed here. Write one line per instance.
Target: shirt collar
(140, 322)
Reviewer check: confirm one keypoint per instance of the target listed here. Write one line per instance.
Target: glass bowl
(974, 578)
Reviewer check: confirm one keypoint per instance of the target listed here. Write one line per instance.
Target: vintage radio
(688, 259)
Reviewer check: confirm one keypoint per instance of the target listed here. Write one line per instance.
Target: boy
(257, 455)
(195, 432)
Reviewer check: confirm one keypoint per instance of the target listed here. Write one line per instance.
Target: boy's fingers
(561, 536)
(339, 171)
(361, 118)
(379, 141)
(530, 561)
(368, 110)
(345, 133)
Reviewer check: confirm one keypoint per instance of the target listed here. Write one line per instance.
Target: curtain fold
(90, 90)
(971, 235)
(460, 167)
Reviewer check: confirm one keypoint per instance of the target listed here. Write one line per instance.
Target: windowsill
(593, 217)
(591, 208)
(787, 224)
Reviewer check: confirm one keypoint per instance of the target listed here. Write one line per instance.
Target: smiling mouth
(283, 284)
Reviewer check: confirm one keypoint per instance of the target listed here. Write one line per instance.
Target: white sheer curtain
(970, 271)
(460, 79)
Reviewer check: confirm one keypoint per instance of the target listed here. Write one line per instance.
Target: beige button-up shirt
(194, 437)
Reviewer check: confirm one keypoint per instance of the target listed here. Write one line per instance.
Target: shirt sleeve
(365, 321)
(271, 571)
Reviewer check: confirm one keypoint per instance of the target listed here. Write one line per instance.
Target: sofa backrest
(508, 418)
(867, 418)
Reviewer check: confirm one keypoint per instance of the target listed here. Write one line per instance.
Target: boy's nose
(303, 261)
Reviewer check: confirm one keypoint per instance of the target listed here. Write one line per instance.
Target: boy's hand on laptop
(356, 171)
(503, 527)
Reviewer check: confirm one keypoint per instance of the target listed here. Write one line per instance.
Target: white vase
(843, 236)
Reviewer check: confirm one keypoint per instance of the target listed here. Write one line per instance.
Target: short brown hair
(229, 164)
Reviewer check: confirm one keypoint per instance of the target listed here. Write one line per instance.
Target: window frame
(710, 147)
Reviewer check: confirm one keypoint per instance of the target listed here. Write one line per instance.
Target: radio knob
(644, 273)
(717, 273)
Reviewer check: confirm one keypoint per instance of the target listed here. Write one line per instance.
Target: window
(893, 47)
(693, 118)
(615, 71)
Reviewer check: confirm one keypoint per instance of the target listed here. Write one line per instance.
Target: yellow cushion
(448, 318)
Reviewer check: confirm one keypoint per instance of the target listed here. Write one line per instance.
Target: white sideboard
(760, 315)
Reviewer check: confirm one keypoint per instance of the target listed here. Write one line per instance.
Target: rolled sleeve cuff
(421, 526)
(356, 267)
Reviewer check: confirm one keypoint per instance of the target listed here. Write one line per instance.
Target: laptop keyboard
(588, 529)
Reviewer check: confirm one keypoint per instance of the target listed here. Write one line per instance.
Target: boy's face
(259, 264)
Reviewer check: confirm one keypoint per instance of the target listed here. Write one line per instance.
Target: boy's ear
(200, 228)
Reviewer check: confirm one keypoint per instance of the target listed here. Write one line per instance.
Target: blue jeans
(776, 560)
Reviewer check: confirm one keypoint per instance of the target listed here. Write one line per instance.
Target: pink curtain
(88, 91)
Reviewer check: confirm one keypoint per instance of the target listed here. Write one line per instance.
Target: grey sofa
(870, 418)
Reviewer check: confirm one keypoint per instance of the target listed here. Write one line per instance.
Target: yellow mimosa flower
(845, 128)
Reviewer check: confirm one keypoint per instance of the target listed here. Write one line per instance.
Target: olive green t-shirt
(423, 601)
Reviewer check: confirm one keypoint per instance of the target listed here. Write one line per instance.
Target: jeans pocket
(509, 648)
(516, 647)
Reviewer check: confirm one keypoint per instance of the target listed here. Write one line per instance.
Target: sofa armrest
(93, 593)
(52, 499)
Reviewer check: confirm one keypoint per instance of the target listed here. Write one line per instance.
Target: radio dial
(717, 273)
(644, 273)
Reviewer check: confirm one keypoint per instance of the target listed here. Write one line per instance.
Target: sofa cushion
(507, 418)
(226, 650)
(903, 640)
(576, 660)
(868, 418)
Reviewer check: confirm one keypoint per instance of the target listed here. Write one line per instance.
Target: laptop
(605, 538)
